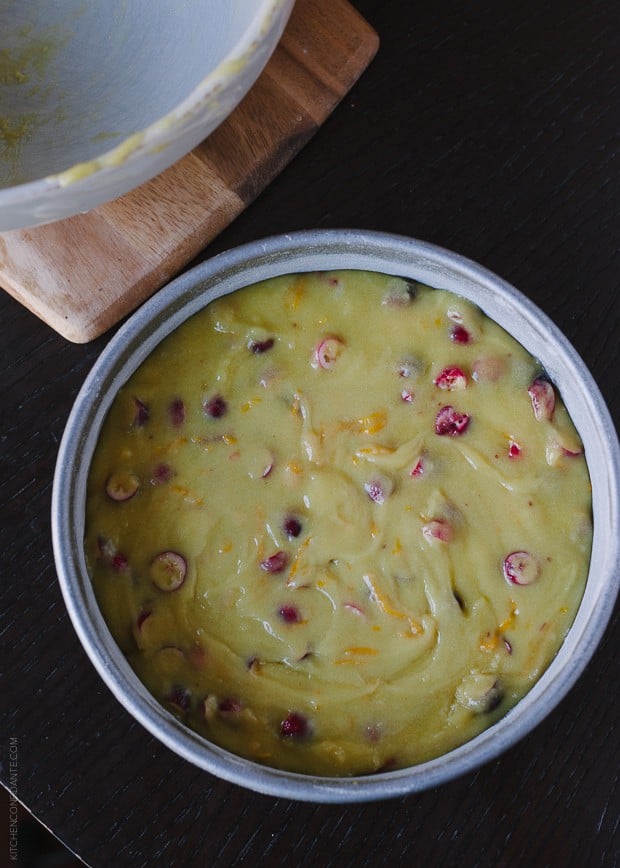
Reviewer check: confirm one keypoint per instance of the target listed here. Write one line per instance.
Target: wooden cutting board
(83, 274)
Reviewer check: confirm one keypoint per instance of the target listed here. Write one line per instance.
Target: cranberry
(111, 556)
(290, 614)
(168, 570)
(142, 413)
(229, 706)
(119, 562)
(521, 568)
(438, 529)
(142, 617)
(327, 352)
(291, 526)
(275, 563)
(259, 347)
(122, 486)
(407, 396)
(161, 473)
(176, 412)
(556, 450)
(450, 379)
(215, 407)
(450, 421)
(178, 699)
(542, 396)
(514, 450)
(379, 488)
(418, 470)
(460, 335)
(295, 725)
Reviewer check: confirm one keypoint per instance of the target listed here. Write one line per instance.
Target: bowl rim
(305, 251)
(155, 136)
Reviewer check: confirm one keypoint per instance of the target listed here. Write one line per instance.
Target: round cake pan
(318, 251)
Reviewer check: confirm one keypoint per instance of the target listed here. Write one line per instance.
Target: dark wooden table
(490, 128)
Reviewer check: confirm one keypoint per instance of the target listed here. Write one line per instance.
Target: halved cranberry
(295, 725)
(327, 352)
(275, 563)
(142, 617)
(161, 473)
(514, 450)
(450, 379)
(141, 414)
(290, 614)
(111, 556)
(258, 347)
(439, 529)
(168, 570)
(559, 447)
(460, 335)
(542, 396)
(178, 699)
(215, 407)
(449, 421)
(176, 412)
(521, 568)
(229, 706)
(119, 562)
(418, 469)
(291, 526)
(122, 486)
(379, 488)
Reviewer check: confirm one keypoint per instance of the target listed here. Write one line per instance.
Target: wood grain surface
(489, 128)
(83, 274)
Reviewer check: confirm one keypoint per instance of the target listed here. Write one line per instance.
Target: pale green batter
(339, 522)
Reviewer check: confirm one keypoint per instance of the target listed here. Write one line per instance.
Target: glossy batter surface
(339, 522)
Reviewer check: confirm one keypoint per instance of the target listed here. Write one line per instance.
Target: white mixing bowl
(98, 97)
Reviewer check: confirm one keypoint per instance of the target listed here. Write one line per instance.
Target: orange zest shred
(356, 654)
(388, 608)
(489, 641)
(294, 294)
(372, 451)
(361, 649)
(370, 424)
(251, 403)
(295, 565)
